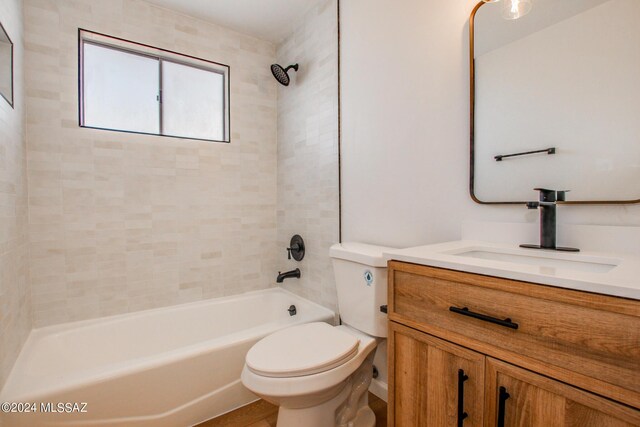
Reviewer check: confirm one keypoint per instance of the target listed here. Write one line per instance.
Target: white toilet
(319, 374)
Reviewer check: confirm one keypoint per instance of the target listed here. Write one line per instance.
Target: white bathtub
(174, 366)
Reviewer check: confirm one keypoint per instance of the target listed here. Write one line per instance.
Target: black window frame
(189, 61)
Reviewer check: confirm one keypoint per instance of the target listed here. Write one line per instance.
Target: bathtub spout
(288, 274)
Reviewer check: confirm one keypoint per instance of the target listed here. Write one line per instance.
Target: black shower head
(281, 74)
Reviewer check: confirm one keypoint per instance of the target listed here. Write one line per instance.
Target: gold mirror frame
(472, 97)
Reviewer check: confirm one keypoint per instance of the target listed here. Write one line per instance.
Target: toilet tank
(361, 280)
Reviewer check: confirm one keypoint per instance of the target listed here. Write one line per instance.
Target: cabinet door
(517, 397)
(433, 382)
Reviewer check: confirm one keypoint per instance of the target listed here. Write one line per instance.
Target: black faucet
(547, 206)
(288, 274)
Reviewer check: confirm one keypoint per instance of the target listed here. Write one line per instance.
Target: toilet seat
(273, 389)
(302, 350)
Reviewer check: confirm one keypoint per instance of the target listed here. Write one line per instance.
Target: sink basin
(543, 259)
(599, 272)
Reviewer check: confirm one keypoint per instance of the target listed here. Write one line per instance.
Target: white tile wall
(15, 302)
(122, 222)
(308, 152)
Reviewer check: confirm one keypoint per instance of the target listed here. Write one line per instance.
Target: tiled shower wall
(308, 201)
(15, 302)
(121, 222)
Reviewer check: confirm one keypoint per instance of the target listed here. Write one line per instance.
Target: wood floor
(263, 414)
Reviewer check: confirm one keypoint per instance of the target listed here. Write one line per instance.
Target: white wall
(122, 222)
(308, 152)
(405, 121)
(15, 296)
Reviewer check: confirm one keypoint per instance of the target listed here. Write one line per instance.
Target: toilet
(319, 374)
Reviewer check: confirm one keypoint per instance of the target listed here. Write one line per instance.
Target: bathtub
(174, 366)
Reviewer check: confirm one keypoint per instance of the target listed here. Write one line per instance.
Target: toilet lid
(302, 350)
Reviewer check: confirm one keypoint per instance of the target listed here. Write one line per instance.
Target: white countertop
(603, 273)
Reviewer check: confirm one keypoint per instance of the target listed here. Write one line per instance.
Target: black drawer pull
(466, 312)
(461, 414)
(502, 403)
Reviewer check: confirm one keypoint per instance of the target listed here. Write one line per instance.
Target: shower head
(281, 74)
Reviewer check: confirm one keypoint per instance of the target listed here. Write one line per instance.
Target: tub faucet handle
(296, 248)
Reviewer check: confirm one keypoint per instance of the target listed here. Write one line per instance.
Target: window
(125, 86)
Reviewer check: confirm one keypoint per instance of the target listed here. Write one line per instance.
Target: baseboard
(379, 388)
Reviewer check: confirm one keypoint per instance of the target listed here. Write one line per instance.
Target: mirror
(555, 101)
(6, 66)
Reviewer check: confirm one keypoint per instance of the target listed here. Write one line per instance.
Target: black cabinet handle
(502, 400)
(502, 322)
(461, 414)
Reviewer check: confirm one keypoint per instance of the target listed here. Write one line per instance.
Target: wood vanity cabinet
(431, 372)
(471, 350)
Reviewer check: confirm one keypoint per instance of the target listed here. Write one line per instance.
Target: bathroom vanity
(479, 339)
